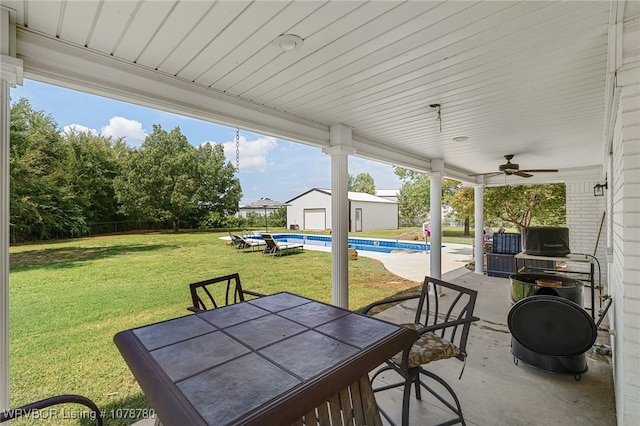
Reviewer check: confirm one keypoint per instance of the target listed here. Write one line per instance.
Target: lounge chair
(236, 241)
(277, 248)
(250, 243)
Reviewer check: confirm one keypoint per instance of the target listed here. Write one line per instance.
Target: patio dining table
(264, 361)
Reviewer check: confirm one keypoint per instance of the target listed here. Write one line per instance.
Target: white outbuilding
(311, 210)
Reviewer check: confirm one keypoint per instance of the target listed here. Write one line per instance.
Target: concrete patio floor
(494, 390)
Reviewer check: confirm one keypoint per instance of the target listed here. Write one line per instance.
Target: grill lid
(551, 325)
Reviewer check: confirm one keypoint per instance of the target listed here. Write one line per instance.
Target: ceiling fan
(510, 168)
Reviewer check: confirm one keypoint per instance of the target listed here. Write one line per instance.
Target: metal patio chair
(28, 410)
(443, 324)
(219, 291)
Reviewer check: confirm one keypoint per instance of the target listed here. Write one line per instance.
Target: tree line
(68, 184)
(64, 184)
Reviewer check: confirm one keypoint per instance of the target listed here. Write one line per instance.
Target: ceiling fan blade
(522, 173)
(540, 171)
(488, 174)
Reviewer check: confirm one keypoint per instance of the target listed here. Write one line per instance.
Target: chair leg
(406, 400)
(415, 378)
(457, 409)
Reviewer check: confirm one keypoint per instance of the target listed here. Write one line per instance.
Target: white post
(435, 176)
(340, 136)
(11, 75)
(478, 201)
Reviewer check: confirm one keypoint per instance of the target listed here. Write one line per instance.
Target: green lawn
(69, 298)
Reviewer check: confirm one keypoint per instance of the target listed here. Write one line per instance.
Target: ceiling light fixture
(460, 138)
(288, 42)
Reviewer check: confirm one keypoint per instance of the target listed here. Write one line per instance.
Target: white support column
(340, 136)
(435, 176)
(11, 75)
(478, 201)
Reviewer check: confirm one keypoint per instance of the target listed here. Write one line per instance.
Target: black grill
(550, 328)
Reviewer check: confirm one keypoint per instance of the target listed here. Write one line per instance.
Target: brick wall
(584, 216)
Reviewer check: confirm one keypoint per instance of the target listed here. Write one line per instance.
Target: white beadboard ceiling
(524, 78)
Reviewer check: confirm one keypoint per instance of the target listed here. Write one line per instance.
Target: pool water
(381, 246)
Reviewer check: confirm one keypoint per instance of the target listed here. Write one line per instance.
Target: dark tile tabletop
(256, 361)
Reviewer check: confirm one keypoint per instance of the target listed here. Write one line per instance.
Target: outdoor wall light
(598, 190)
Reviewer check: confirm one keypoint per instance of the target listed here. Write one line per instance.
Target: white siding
(311, 200)
(624, 271)
(375, 215)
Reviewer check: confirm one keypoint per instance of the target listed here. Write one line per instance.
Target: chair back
(236, 240)
(215, 292)
(449, 315)
(271, 243)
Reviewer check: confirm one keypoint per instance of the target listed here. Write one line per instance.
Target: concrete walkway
(415, 266)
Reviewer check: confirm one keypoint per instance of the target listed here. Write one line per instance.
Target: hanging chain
(438, 107)
(237, 149)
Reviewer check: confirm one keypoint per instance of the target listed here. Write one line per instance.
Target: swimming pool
(381, 246)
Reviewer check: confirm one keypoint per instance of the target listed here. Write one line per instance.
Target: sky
(269, 167)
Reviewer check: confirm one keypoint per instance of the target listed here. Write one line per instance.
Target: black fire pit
(550, 328)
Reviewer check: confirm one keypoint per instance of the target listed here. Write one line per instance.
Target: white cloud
(253, 154)
(131, 130)
(79, 128)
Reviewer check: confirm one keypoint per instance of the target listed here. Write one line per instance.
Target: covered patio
(495, 391)
(444, 88)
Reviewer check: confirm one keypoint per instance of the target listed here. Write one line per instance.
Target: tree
(414, 197)
(43, 203)
(363, 182)
(169, 180)
(461, 200)
(218, 189)
(92, 165)
(527, 205)
(278, 217)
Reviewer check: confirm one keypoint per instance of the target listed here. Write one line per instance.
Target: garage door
(315, 219)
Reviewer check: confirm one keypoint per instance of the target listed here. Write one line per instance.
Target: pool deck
(415, 266)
